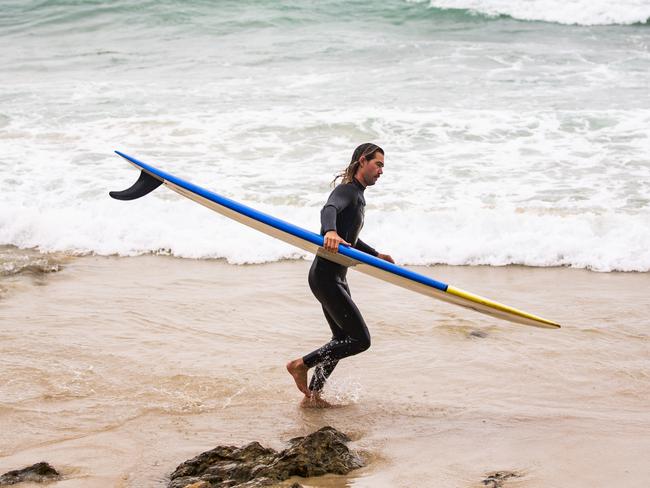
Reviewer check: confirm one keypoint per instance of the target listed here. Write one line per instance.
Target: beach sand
(115, 370)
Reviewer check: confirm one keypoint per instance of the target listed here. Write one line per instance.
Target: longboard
(151, 178)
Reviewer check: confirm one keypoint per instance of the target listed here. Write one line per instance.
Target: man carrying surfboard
(341, 222)
(341, 219)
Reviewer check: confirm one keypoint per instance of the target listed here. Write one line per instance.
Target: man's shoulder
(344, 189)
(341, 195)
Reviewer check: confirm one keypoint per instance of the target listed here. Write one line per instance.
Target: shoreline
(117, 369)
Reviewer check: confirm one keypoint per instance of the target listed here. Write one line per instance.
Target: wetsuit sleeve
(363, 247)
(337, 201)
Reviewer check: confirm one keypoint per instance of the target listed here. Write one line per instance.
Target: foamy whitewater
(579, 12)
(516, 132)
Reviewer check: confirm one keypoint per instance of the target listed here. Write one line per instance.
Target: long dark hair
(367, 150)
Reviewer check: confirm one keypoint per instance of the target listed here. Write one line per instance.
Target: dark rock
(496, 479)
(478, 333)
(321, 452)
(37, 473)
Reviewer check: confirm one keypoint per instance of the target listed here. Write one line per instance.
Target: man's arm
(363, 247)
(337, 201)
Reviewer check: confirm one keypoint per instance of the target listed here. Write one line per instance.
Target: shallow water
(118, 369)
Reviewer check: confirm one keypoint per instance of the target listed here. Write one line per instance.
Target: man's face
(370, 169)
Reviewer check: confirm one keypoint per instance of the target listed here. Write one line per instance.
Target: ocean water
(516, 132)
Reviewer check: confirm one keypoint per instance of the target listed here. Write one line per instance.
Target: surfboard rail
(150, 178)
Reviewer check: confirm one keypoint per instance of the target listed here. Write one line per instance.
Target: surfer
(341, 222)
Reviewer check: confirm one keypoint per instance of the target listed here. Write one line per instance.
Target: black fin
(145, 185)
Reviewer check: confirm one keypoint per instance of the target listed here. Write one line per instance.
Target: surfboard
(151, 178)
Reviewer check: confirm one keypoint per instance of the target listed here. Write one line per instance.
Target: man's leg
(337, 302)
(323, 370)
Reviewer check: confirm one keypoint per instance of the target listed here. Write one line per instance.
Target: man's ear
(362, 160)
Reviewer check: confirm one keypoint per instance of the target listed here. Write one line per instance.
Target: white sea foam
(469, 235)
(485, 187)
(582, 12)
(525, 147)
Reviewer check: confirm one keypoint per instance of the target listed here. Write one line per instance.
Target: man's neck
(359, 182)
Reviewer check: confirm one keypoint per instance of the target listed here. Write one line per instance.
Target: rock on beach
(37, 473)
(321, 452)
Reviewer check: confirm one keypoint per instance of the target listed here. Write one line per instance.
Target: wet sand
(115, 370)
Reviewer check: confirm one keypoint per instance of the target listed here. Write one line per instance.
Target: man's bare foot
(315, 401)
(298, 370)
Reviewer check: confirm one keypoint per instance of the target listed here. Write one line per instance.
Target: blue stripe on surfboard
(287, 227)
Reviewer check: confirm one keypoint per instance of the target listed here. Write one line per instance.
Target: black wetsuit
(344, 213)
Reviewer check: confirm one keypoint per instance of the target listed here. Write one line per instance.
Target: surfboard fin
(145, 185)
